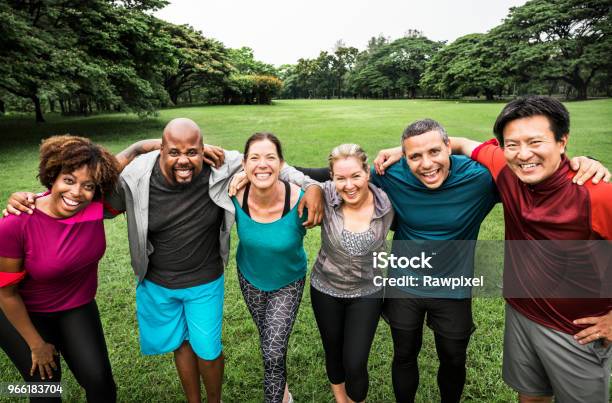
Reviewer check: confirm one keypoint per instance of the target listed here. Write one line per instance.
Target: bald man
(179, 219)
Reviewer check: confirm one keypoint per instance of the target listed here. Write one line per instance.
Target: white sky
(283, 31)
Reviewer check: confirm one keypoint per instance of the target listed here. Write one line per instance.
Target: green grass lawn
(308, 130)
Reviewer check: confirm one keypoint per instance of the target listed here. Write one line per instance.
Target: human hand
(213, 155)
(239, 181)
(601, 328)
(313, 201)
(588, 168)
(386, 158)
(20, 202)
(43, 360)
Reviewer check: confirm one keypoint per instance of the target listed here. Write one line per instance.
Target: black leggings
(405, 371)
(347, 327)
(77, 336)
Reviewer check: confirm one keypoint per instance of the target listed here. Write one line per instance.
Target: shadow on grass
(19, 131)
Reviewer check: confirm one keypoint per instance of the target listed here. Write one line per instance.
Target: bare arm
(15, 311)
(386, 158)
(463, 146)
(140, 147)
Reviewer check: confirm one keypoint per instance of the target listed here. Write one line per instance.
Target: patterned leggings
(274, 313)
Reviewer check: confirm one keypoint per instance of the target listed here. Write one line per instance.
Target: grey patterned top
(357, 243)
(343, 267)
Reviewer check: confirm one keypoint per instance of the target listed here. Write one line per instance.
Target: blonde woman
(345, 301)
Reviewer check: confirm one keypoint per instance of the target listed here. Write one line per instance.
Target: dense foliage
(101, 55)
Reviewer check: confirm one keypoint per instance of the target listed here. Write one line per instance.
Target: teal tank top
(271, 255)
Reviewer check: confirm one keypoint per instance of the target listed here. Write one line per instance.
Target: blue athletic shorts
(167, 317)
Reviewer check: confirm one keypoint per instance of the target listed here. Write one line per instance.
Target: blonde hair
(348, 150)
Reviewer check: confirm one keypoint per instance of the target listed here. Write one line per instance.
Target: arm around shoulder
(463, 146)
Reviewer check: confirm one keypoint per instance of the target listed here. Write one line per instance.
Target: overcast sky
(283, 31)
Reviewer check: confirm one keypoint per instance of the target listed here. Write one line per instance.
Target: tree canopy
(100, 55)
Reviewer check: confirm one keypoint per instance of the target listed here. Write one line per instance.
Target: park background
(114, 72)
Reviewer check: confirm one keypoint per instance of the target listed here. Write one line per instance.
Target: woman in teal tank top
(271, 259)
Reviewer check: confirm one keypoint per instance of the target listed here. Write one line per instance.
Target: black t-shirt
(184, 226)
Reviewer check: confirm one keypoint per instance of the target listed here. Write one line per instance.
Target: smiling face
(531, 150)
(262, 164)
(428, 158)
(351, 180)
(72, 192)
(181, 157)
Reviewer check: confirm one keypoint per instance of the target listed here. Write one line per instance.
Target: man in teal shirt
(441, 197)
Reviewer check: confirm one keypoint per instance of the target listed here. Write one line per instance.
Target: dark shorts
(450, 318)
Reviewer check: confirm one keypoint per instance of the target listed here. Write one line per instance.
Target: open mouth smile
(263, 176)
(70, 202)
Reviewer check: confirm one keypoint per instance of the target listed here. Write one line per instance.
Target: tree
(392, 69)
(342, 65)
(197, 62)
(244, 62)
(567, 40)
(249, 89)
(79, 53)
(468, 66)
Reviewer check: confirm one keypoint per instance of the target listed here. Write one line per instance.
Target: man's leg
(187, 367)
(203, 311)
(451, 321)
(212, 375)
(575, 372)
(452, 354)
(405, 367)
(163, 328)
(405, 315)
(522, 368)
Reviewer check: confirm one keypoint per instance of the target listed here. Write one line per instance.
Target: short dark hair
(66, 154)
(424, 126)
(535, 105)
(264, 136)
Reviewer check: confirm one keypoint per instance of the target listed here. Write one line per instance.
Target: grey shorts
(539, 361)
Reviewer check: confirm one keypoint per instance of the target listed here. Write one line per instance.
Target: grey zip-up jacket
(337, 272)
(132, 197)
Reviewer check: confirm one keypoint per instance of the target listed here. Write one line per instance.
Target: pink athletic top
(60, 256)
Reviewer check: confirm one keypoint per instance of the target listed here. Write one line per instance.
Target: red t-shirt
(554, 209)
(60, 256)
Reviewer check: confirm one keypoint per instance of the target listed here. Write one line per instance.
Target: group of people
(180, 211)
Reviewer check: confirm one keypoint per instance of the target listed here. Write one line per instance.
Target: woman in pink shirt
(48, 270)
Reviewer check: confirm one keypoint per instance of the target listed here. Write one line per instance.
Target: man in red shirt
(554, 343)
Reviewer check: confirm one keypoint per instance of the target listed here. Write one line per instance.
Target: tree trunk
(489, 95)
(39, 114)
(581, 91)
(2, 110)
(173, 97)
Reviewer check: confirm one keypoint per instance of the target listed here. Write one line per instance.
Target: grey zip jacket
(132, 197)
(336, 272)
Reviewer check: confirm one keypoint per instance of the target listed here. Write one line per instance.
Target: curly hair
(66, 154)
